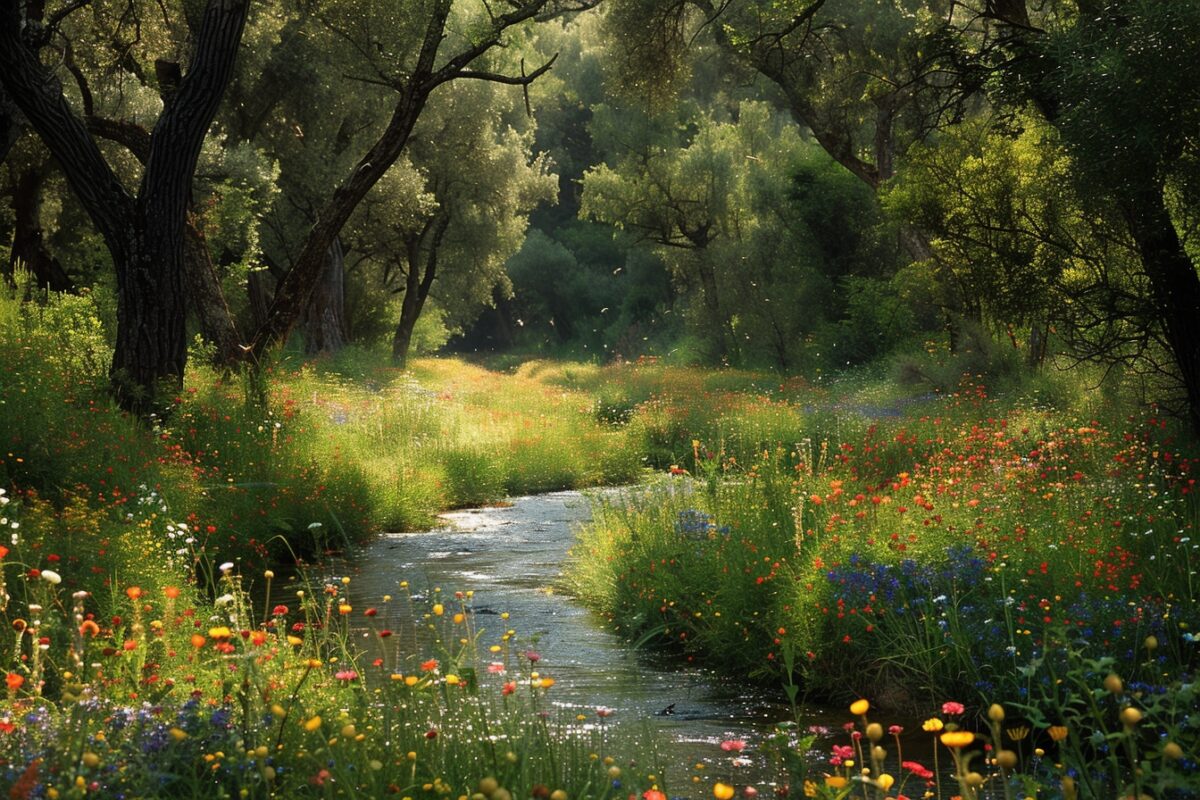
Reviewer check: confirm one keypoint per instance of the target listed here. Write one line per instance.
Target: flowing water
(512, 557)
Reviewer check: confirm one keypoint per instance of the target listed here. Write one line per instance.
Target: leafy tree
(450, 239)
(1117, 83)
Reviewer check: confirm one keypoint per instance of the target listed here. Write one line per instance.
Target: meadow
(1014, 566)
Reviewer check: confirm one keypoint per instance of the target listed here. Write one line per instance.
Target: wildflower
(653, 794)
(1018, 733)
(733, 745)
(895, 730)
(917, 769)
(996, 712)
(346, 675)
(508, 688)
(722, 791)
(88, 628)
(1172, 751)
(14, 681)
(885, 781)
(438, 609)
(312, 723)
(294, 641)
(220, 633)
(51, 577)
(1058, 732)
(957, 739)
(430, 665)
(603, 711)
(132, 592)
(952, 708)
(859, 707)
(532, 656)
(279, 611)
(835, 781)
(496, 668)
(198, 641)
(172, 592)
(933, 725)
(226, 567)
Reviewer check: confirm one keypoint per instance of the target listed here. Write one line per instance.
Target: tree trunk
(1174, 285)
(207, 298)
(28, 246)
(712, 308)
(417, 284)
(323, 322)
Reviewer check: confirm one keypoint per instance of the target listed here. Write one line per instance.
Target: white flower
(227, 567)
(224, 600)
(50, 576)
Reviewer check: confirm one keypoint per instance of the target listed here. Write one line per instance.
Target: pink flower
(896, 730)
(346, 675)
(532, 656)
(952, 708)
(496, 668)
(733, 745)
(917, 769)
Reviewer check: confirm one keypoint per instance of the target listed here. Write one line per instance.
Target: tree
(1117, 82)
(471, 182)
(411, 77)
(144, 230)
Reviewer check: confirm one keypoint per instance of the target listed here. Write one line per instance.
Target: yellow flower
(1018, 733)
(810, 789)
(835, 781)
(933, 725)
(178, 734)
(452, 680)
(722, 791)
(313, 723)
(438, 609)
(221, 632)
(1130, 716)
(859, 707)
(295, 641)
(885, 781)
(957, 738)
(1058, 732)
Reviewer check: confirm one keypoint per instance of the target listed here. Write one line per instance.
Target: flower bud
(996, 712)
(1113, 683)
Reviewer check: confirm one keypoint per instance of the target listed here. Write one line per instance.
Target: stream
(511, 557)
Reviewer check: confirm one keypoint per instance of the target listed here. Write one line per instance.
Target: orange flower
(88, 628)
(171, 592)
(198, 641)
(14, 681)
(430, 665)
(133, 592)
